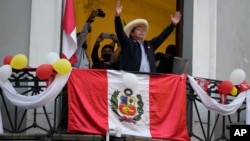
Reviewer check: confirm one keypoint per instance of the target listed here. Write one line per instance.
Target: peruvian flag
(145, 105)
(69, 40)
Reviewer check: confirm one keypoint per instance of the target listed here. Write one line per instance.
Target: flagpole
(62, 124)
(61, 31)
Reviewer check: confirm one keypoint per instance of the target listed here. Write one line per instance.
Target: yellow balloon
(19, 61)
(62, 66)
(234, 91)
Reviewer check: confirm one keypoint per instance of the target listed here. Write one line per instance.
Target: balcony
(49, 122)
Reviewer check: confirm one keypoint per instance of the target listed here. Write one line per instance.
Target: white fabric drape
(35, 101)
(223, 109)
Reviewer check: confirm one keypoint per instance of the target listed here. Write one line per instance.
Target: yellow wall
(156, 12)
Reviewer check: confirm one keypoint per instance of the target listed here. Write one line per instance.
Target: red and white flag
(154, 106)
(69, 40)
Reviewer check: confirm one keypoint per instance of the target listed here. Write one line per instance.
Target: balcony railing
(50, 121)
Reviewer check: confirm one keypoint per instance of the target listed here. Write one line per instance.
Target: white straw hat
(134, 23)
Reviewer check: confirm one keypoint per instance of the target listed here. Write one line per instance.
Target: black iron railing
(54, 125)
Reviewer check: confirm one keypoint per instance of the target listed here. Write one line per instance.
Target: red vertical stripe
(69, 22)
(168, 107)
(69, 45)
(87, 101)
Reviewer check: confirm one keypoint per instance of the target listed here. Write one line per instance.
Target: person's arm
(81, 38)
(94, 55)
(158, 40)
(114, 57)
(122, 37)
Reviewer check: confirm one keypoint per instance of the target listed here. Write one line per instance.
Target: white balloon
(237, 76)
(5, 72)
(52, 57)
(130, 80)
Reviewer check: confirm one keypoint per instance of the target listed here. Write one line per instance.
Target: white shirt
(144, 60)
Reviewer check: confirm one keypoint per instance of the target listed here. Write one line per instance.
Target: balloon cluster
(53, 64)
(19, 61)
(235, 84)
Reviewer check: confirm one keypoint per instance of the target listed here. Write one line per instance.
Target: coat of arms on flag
(127, 106)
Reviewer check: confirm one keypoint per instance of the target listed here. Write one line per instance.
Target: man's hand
(176, 18)
(118, 8)
(99, 39)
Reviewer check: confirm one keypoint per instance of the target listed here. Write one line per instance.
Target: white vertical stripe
(141, 127)
(69, 44)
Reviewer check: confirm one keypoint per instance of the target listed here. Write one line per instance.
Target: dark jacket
(166, 65)
(131, 52)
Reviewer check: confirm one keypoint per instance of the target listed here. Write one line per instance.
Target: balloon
(225, 87)
(51, 57)
(19, 61)
(234, 91)
(130, 80)
(7, 59)
(62, 66)
(5, 72)
(44, 71)
(237, 76)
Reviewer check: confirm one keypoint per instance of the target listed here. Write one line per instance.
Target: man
(138, 54)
